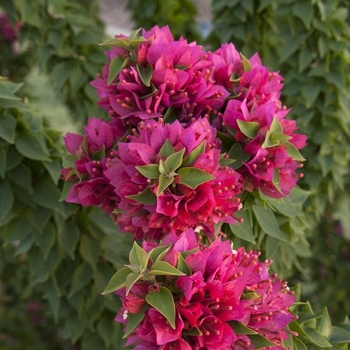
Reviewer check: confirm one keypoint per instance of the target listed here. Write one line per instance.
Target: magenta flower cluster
(189, 133)
(226, 300)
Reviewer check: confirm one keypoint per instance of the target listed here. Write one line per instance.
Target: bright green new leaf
(7, 128)
(131, 279)
(182, 266)
(133, 321)
(294, 152)
(163, 268)
(146, 197)
(174, 161)
(117, 281)
(190, 158)
(267, 221)
(138, 256)
(249, 129)
(166, 150)
(246, 64)
(163, 301)
(164, 182)
(117, 64)
(145, 73)
(193, 177)
(158, 252)
(151, 171)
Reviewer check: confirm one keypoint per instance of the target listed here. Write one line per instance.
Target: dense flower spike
(222, 298)
(169, 178)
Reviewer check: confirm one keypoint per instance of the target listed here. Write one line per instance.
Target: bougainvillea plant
(189, 133)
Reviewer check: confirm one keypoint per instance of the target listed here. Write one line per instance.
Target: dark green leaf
(16, 229)
(146, 197)
(133, 321)
(190, 158)
(29, 146)
(81, 277)
(193, 177)
(117, 281)
(339, 335)
(3, 158)
(305, 11)
(22, 176)
(316, 337)
(68, 238)
(298, 344)
(145, 73)
(46, 240)
(182, 266)
(163, 302)
(238, 156)
(7, 128)
(89, 249)
(6, 199)
(260, 342)
(240, 328)
(243, 230)
(54, 169)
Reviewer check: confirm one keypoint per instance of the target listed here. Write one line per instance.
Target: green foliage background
(61, 256)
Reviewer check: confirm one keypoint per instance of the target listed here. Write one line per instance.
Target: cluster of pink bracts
(189, 131)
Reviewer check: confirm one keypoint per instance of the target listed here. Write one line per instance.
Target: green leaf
(54, 169)
(294, 152)
(7, 128)
(240, 328)
(81, 277)
(16, 229)
(339, 335)
(182, 266)
(163, 268)
(159, 252)
(298, 344)
(151, 171)
(325, 324)
(310, 93)
(6, 199)
(3, 158)
(146, 197)
(163, 168)
(117, 281)
(29, 146)
(246, 64)
(89, 249)
(46, 240)
(243, 230)
(21, 175)
(196, 152)
(285, 207)
(304, 11)
(163, 302)
(249, 129)
(138, 256)
(167, 149)
(116, 65)
(267, 221)
(133, 321)
(174, 161)
(193, 177)
(5, 92)
(260, 342)
(164, 182)
(68, 238)
(316, 337)
(131, 279)
(238, 156)
(145, 73)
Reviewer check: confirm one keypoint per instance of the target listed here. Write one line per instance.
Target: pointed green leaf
(163, 301)
(294, 152)
(163, 268)
(339, 335)
(174, 161)
(240, 328)
(243, 230)
(325, 324)
(190, 158)
(166, 150)
(275, 139)
(117, 281)
(131, 279)
(7, 128)
(135, 33)
(151, 171)
(29, 146)
(164, 182)
(158, 252)
(260, 342)
(249, 129)
(163, 168)
(117, 64)
(238, 156)
(145, 73)
(133, 321)
(195, 331)
(138, 256)
(186, 253)
(267, 221)
(146, 197)
(6, 93)
(170, 115)
(316, 337)
(246, 64)
(193, 177)
(276, 126)
(68, 238)
(182, 266)
(298, 344)
(6, 199)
